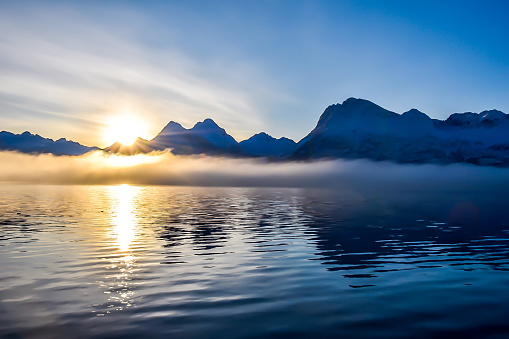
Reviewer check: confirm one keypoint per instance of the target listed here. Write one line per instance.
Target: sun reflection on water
(118, 284)
(124, 219)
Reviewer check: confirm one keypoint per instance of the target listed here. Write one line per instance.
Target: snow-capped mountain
(27, 142)
(214, 134)
(354, 129)
(358, 128)
(263, 145)
(205, 137)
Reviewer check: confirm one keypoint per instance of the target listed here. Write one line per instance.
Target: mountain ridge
(263, 144)
(27, 142)
(358, 128)
(204, 137)
(354, 129)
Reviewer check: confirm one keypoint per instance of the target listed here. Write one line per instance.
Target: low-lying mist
(165, 168)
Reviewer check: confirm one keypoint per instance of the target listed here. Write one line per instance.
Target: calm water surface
(177, 262)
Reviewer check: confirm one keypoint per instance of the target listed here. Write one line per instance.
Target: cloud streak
(166, 169)
(62, 66)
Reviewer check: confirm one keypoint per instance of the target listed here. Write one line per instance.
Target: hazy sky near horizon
(273, 66)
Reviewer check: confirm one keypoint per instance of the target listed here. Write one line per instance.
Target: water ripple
(125, 261)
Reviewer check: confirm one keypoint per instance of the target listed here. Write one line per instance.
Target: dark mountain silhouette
(27, 142)
(263, 145)
(205, 137)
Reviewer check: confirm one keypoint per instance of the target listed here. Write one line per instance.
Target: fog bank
(165, 168)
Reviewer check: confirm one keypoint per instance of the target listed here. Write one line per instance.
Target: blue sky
(252, 66)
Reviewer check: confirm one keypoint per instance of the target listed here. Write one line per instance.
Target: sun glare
(124, 128)
(124, 219)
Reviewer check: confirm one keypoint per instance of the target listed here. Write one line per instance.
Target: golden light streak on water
(124, 219)
(124, 223)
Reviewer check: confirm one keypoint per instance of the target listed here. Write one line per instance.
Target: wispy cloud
(251, 66)
(60, 66)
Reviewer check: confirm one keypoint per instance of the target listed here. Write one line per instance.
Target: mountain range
(354, 129)
(358, 128)
(207, 137)
(27, 142)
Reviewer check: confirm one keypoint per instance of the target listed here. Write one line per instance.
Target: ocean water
(189, 262)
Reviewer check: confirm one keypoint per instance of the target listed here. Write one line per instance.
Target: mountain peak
(357, 102)
(359, 106)
(354, 111)
(171, 128)
(413, 111)
(207, 123)
(262, 135)
(415, 114)
(262, 144)
(352, 100)
(174, 125)
(214, 134)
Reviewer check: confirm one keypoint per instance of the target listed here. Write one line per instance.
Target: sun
(124, 131)
(124, 128)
